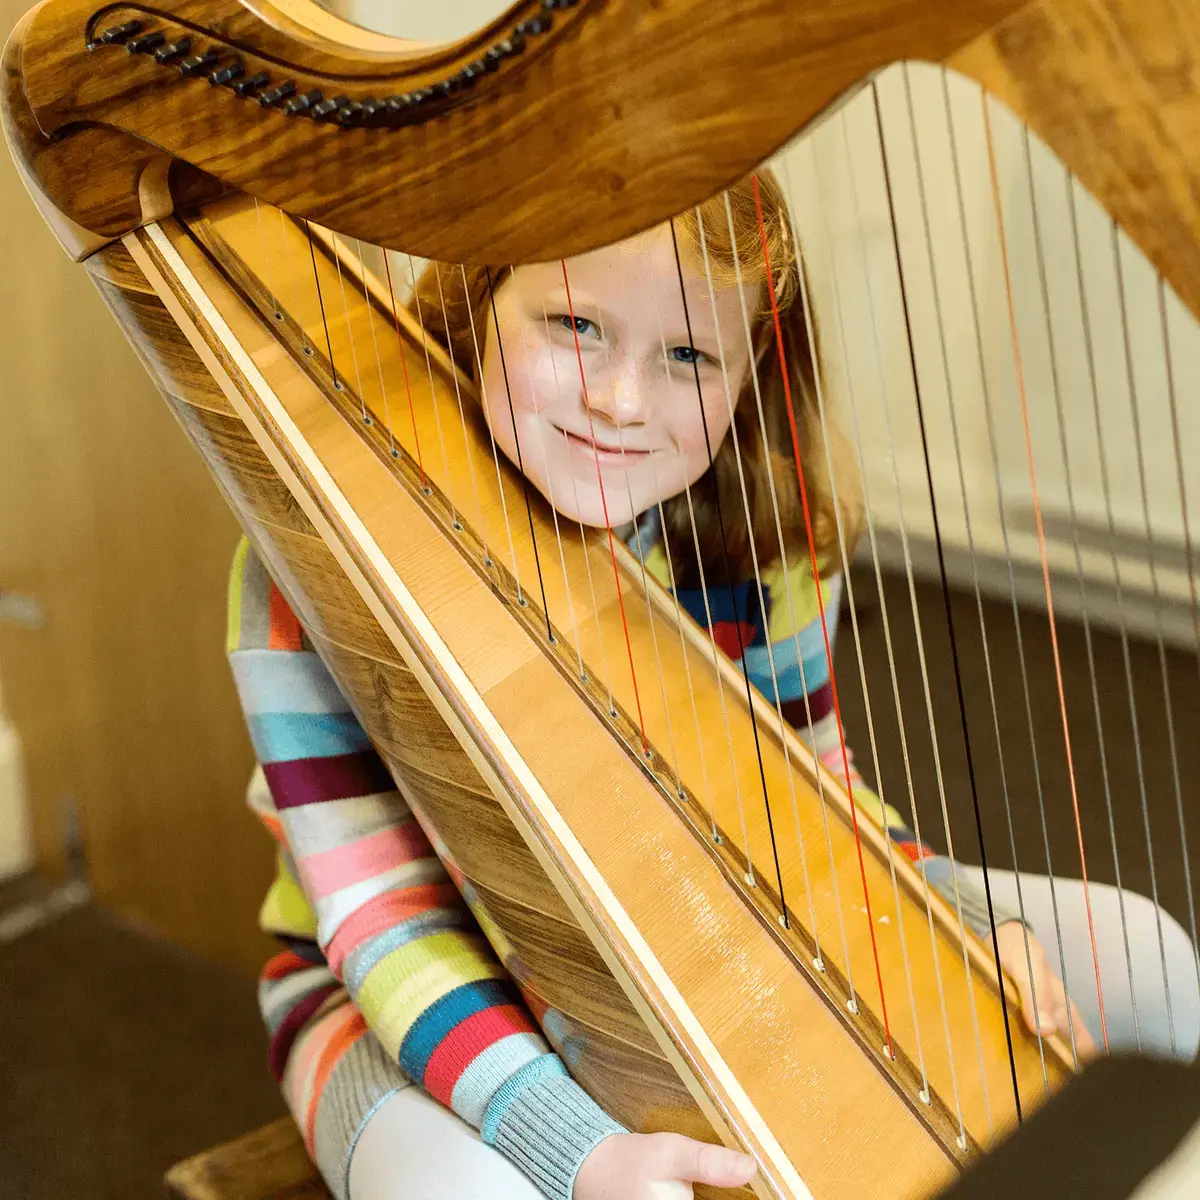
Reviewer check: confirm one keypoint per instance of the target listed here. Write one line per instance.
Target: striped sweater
(386, 980)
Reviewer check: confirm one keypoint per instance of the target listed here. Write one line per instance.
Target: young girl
(628, 383)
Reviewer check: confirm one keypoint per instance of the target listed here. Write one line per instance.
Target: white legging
(414, 1149)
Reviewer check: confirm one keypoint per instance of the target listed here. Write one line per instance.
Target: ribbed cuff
(547, 1127)
(940, 873)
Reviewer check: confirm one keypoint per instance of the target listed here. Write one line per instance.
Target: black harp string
(985, 396)
(937, 536)
(312, 253)
(512, 415)
(762, 774)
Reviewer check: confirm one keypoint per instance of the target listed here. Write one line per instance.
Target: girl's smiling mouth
(597, 449)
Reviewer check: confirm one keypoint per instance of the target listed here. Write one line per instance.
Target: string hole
(487, 562)
(648, 754)
(819, 965)
(278, 315)
(612, 712)
(395, 452)
(889, 1053)
(309, 351)
(552, 639)
(683, 796)
(522, 602)
(584, 677)
(427, 490)
(852, 1005)
(338, 386)
(718, 840)
(784, 921)
(750, 880)
(367, 420)
(457, 527)
(962, 1143)
(924, 1096)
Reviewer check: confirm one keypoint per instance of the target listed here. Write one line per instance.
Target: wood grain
(268, 1164)
(556, 151)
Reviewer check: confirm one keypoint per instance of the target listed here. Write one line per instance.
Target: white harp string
(869, 521)
(753, 546)
(383, 391)
(362, 400)
(843, 552)
(487, 420)
(462, 414)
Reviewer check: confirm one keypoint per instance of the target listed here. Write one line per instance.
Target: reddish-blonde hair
(734, 242)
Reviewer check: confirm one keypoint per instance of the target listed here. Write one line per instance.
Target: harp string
(462, 416)
(383, 391)
(808, 528)
(750, 876)
(753, 546)
(1056, 391)
(918, 632)
(679, 619)
(433, 392)
(287, 243)
(583, 542)
(1162, 654)
(641, 558)
(1191, 574)
(1041, 538)
(604, 506)
(948, 608)
(512, 416)
(687, 319)
(871, 533)
(843, 551)
(516, 276)
(312, 254)
(337, 258)
(483, 399)
(987, 657)
(387, 266)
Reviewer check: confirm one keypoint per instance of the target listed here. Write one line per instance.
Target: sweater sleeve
(793, 660)
(387, 978)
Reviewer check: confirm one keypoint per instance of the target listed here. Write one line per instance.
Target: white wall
(835, 174)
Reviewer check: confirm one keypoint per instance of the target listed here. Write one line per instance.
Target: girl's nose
(615, 395)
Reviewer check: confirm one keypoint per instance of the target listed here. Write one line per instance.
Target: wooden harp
(678, 884)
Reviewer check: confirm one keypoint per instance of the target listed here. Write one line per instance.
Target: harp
(718, 940)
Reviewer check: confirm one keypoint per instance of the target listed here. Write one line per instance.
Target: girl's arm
(387, 978)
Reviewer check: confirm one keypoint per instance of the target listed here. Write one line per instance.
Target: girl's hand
(657, 1166)
(1050, 1014)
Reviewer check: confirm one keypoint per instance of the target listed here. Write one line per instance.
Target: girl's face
(615, 425)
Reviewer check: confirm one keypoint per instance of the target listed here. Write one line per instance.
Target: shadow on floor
(119, 1055)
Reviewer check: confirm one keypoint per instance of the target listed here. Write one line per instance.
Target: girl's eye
(687, 354)
(579, 325)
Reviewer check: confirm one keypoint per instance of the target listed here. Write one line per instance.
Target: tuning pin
(173, 50)
(143, 45)
(276, 94)
(247, 87)
(198, 64)
(118, 33)
(227, 74)
(303, 103)
(326, 109)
